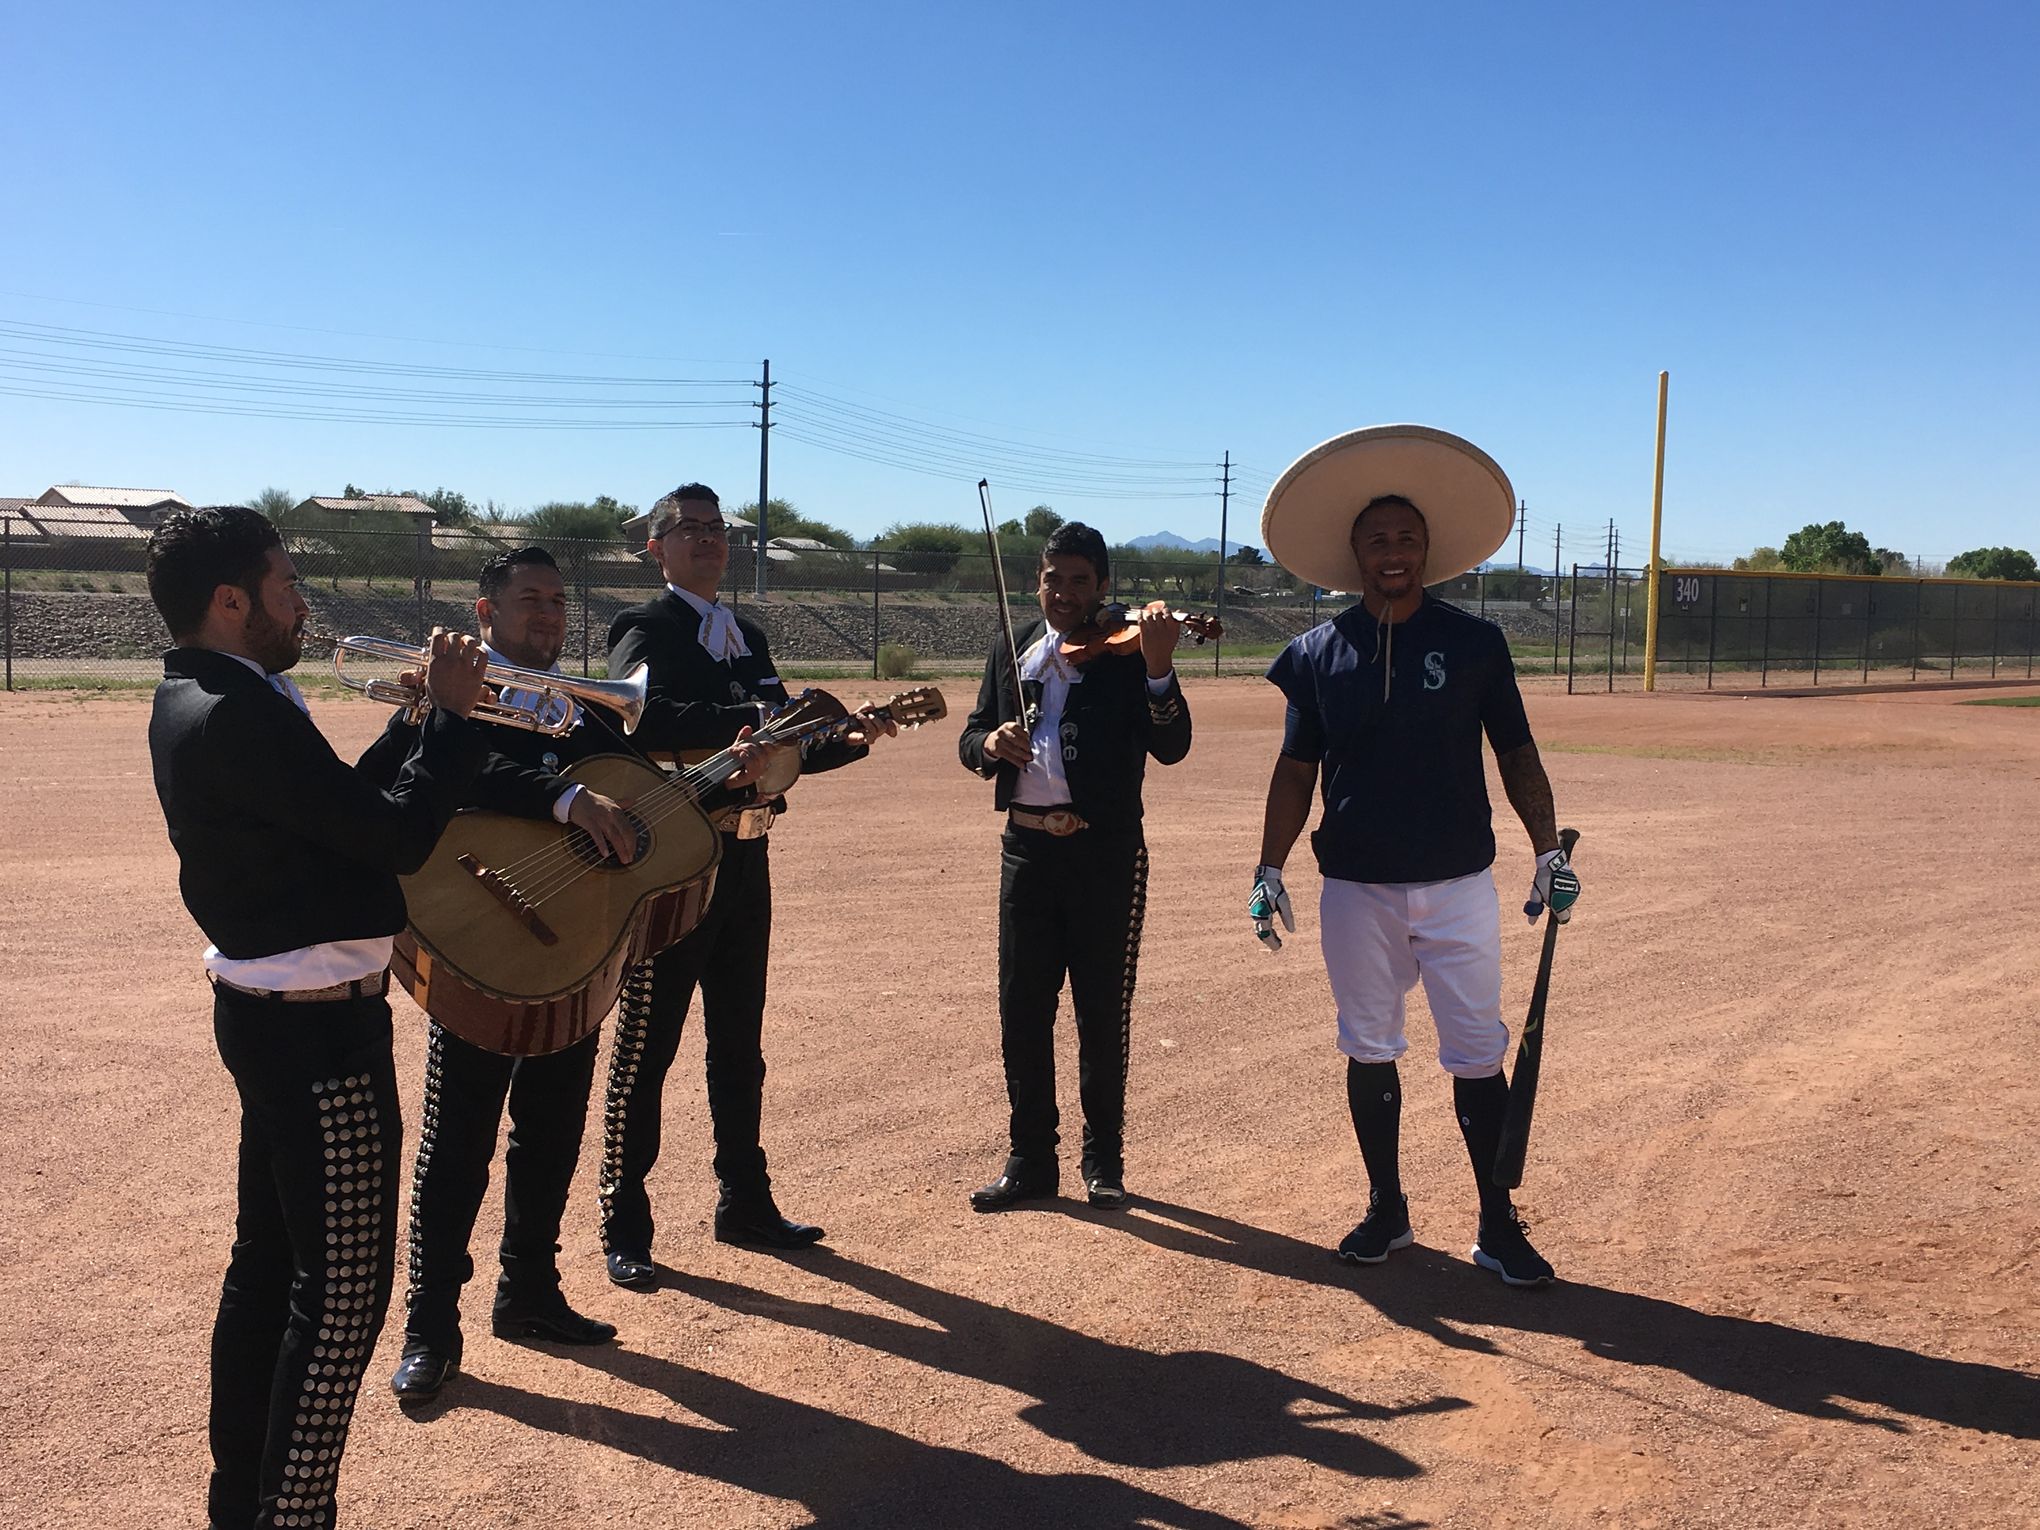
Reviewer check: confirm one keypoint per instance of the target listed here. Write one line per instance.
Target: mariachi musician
(521, 610)
(1073, 868)
(712, 678)
(288, 859)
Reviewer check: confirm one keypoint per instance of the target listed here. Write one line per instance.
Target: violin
(1114, 630)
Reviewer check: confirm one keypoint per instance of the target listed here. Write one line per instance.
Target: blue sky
(1116, 240)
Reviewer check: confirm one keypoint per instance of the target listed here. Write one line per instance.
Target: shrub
(896, 661)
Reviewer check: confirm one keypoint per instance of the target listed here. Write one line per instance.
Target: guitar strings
(554, 868)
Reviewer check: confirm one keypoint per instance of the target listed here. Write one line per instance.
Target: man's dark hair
(1384, 502)
(496, 572)
(194, 552)
(667, 510)
(1075, 539)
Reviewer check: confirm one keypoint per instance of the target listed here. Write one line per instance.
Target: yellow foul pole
(1653, 576)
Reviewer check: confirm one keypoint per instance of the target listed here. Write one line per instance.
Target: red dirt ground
(1784, 1164)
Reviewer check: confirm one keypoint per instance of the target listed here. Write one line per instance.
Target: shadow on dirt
(843, 1472)
(1813, 1374)
(1114, 1402)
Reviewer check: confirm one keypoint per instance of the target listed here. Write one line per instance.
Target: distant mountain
(1182, 544)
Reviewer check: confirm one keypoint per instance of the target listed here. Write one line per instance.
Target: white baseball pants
(1381, 937)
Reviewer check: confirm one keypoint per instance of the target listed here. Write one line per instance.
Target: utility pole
(1224, 507)
(1522, 526)
(764, 465)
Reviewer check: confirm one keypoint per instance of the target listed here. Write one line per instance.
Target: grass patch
(2004, 701)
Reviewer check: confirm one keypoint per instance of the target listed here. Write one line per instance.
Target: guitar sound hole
(585, 850)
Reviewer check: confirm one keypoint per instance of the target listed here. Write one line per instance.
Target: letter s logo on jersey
(1434, 671)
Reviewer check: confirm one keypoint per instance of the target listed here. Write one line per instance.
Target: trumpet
(625, 697)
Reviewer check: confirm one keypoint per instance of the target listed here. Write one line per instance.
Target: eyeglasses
(694, 531)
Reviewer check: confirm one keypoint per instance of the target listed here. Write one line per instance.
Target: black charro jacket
(521, 775)
(698, 702)
(280, 843)
(1110, 727)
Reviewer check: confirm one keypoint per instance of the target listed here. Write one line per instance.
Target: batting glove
(1556, 885)
(1270, 899)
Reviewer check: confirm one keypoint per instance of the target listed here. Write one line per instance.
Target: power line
(111, 340)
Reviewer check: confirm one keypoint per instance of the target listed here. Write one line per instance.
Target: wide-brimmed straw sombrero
(1465, 498)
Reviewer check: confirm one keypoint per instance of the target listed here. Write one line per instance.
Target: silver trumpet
(625, 697)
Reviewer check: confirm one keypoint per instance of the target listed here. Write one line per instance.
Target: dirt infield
(1784, 1163)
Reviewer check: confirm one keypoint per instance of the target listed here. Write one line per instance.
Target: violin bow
(1027, 713)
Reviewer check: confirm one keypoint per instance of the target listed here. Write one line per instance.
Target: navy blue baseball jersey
(1395, 717)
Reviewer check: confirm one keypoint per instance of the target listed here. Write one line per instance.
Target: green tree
(1993, 563)
(783, 519)
(1041, 521)
(1830, 548)
(1012, 529)
(275, 503)
(1760, 561)
(1895, 565)
(923, 547)
(450, 508)
(1248, 557)
(575, 521)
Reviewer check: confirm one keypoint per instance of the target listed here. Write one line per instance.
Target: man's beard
(270, 643)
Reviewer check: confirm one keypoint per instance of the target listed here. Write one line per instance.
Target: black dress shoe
(550, 1319)
(1010, 1189)
(631, 1270)
(761, 1225)
(1105, 1190)
(421, 1373)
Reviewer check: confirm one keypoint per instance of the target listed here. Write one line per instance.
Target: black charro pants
(725, 957)
(465, 1090)
(315, 1236)
(1071, 906)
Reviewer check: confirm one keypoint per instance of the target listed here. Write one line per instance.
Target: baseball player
(1387, 705)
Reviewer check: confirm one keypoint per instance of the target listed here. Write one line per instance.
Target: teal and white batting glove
(1270, 899)
(1556, 885)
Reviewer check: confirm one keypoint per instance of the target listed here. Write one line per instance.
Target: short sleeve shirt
(1395, 717)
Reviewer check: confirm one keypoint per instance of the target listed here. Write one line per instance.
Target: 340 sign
(1686, 589)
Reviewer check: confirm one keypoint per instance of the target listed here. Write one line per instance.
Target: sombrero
(1307, 525)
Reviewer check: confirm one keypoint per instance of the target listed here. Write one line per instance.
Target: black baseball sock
(1482, 1104)
(1374, 1095)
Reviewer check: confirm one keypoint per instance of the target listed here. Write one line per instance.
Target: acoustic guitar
(521, 929)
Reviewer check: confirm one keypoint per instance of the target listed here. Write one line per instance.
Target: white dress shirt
(1043, 781)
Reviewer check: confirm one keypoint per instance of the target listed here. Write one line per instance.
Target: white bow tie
(721, 635)
(1045, 659)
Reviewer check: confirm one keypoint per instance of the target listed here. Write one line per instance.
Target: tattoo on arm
(1529, 790)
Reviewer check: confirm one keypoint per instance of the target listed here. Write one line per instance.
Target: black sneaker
(1386, 1228)
(1503, 1248)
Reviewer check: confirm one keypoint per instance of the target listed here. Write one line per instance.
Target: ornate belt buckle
(1061, 822)
(755, 822)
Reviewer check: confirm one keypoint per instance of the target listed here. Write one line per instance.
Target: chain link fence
(77, 609)
(1739, 630)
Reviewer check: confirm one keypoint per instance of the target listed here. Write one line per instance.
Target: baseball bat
(1515, 1143)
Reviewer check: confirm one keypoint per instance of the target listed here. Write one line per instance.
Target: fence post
(1919, 600)
(7, 558)
(874, 613)
(1713, 618)
(1611, 625)
(1572, 634)
(1869, 611)
(1819, 613)
(1764, 670)
(1955, 633)
(1997, 612)
(423, 553)
(583, 571)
